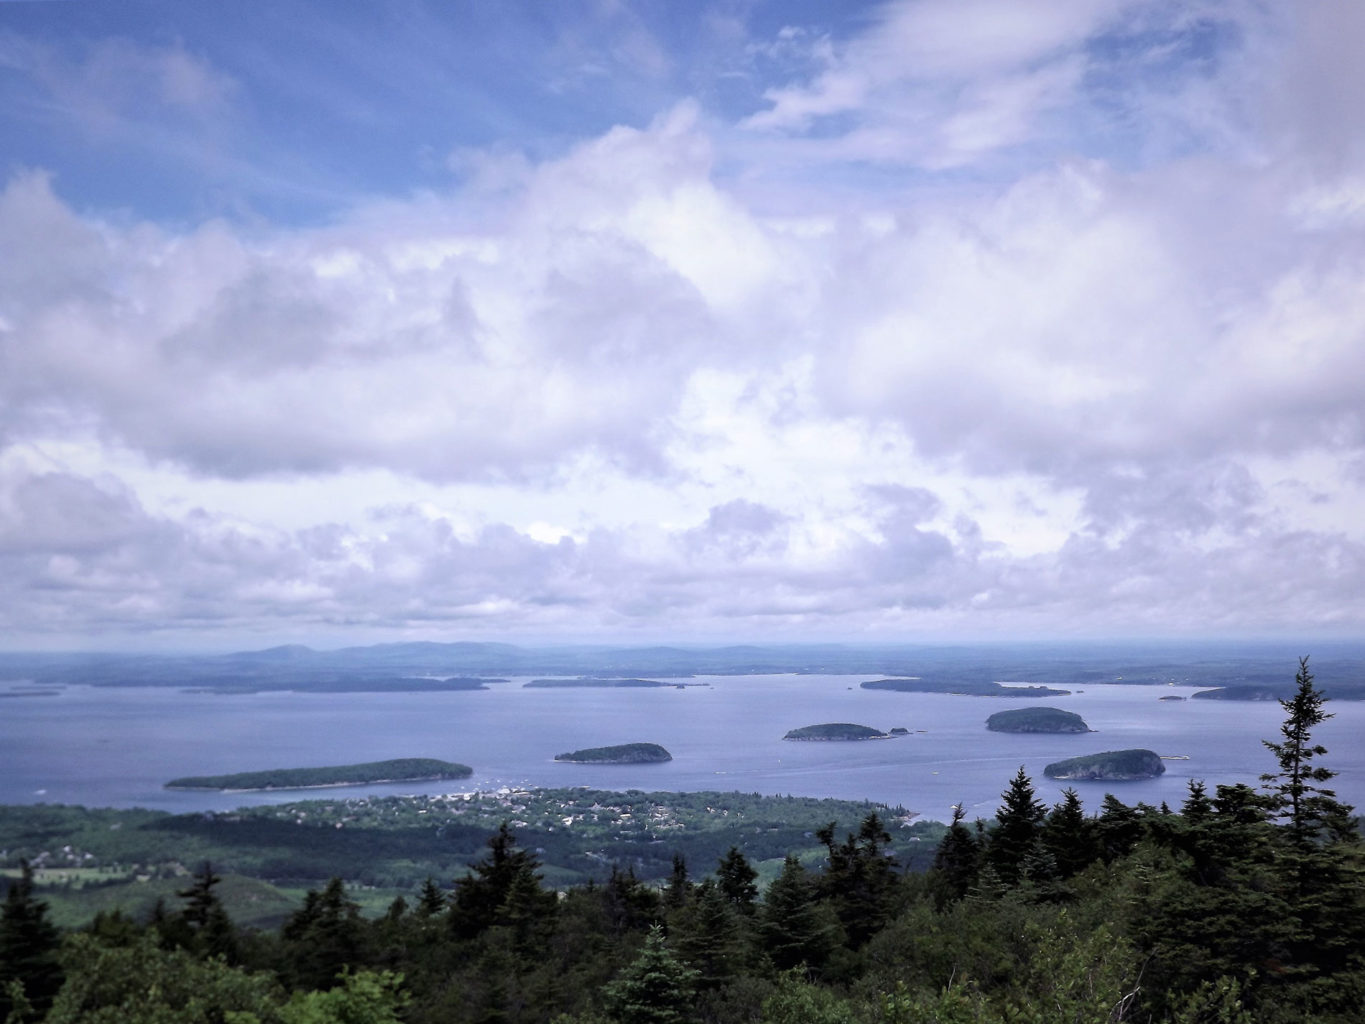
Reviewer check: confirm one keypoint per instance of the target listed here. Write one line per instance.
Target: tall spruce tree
(796, 928)
(654, 989)
(738, 880)
(1018, 825)
(957, 859)
(860, 878)
(679, 886)
(28, 947)
(480, 895)
(1301, 802)
(1322, 855)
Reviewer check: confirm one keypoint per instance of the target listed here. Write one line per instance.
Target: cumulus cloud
(1105, 378)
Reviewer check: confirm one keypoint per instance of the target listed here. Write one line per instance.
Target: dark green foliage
(1069, 835)
(627, 903)
(144, 984)
(655, 989)
(795, 927)
(210, 931)
(484, 896)
(1118, 828)
(738, 880)
(432, 900)
(324, 937)
(1300, 800)
(711, 936)
(679, 886)
(28, 947)
(956, 860)
(860, 878)
(1018, 827)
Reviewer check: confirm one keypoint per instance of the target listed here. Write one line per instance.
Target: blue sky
(896, 321)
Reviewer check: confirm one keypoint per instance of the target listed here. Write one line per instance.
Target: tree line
(1242, 905)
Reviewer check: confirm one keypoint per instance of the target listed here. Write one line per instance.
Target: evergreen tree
(200, 899)
(211, 932)
(432, 900)
(28, 947)
(1019, 823)
(738, 880)
(1069, 835)
(1118, 829)
(324, 937)
(679, 886)
(860, 878)
(795, 927)
(1321, 857)
(957, 859)
(481, 893)
(710, 935)
(655, 988)
(1300, 801)
(627, 903)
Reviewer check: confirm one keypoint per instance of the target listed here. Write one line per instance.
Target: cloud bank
(951, 320)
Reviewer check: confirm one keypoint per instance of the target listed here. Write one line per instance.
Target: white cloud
(612, 392)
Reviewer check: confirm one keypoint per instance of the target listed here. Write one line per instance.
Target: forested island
(967, 687)
(1045, 720)
(403, 769)
(1108, 766)
(622, 753)
(836, 732)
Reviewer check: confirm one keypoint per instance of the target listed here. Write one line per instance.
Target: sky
(592, 321)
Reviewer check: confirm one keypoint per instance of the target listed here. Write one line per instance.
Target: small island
(1049, 720)
(1109, 766)
(403, 769)
(835, 731)
(624, 753)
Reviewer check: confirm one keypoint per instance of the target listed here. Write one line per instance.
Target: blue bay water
(117, 747)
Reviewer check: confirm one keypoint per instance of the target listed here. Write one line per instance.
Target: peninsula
(403, 769)
(624, 753)
(1109, 766)
(836, 731)
(1050, 720)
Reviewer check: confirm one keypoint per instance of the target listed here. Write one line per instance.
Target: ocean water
(117, 747)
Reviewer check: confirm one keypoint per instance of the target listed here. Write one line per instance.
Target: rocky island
(1109, 766)
(403, 769)
(624, 753)
(836, 731)
(1049, 720)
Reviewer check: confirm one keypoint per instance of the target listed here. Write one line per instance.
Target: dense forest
(1240, 905)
